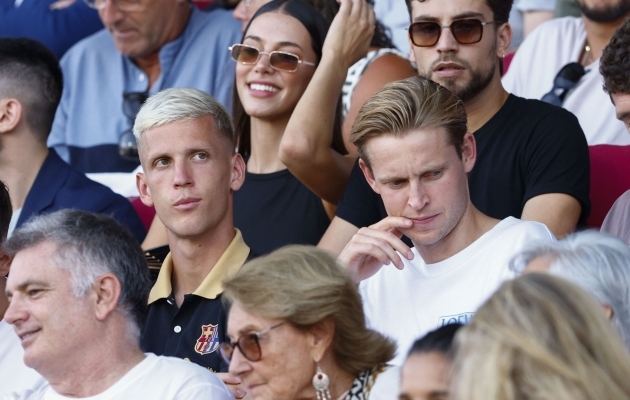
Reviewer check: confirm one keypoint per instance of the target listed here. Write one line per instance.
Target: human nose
(418, 197)
(16, 312)
(239, 365)
(263, 64)
(183, 174)
(447, 43)
(109, 12)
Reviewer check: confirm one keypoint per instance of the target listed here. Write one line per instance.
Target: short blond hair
(408, 105)
(304, 286)
(540, 337)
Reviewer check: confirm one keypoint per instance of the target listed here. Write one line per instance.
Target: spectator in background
(14, 375)
(540, 337)
(147, 46)
(579, 42)
(426, 374)
(39, 181)
(526, 15)
(533, 158)
(615, 68)
(78, 296)
(598, 263)
(416, 153)
(57, 28)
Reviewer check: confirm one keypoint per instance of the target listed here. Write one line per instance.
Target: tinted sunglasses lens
(127, 146)
(467, 31)
(245, 54)
(284, 61)
(424, 34)
(248, 344)
(132, 102)
(226, 351)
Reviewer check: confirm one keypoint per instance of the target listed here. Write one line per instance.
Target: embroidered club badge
(208, 342)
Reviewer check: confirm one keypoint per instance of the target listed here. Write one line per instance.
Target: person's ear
(469, 151)
(238, 172)
(504, 39)
(321, 336)
(11, 113)
(609, 311)
(369, 175)
(106, 294)
(143, 189)
(5, 264)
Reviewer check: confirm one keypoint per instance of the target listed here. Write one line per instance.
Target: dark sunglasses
(567, 78)
(465, 31)
(248, 345)
(127, 146)
(279, 60)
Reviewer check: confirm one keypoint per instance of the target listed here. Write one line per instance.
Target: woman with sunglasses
(297, 331)
(281, 48)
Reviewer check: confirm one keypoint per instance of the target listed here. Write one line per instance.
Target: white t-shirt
(154, 377)
(14, 375)
(407, 304)
(538, 60)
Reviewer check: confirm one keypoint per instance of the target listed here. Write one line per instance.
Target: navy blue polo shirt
(193, 331)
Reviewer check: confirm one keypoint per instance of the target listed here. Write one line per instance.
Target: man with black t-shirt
(532, 157)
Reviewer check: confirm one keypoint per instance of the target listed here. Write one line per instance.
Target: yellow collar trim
(231, 260)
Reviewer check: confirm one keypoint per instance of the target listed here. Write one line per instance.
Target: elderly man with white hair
(597, 262)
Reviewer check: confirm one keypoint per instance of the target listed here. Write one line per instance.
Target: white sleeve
(206, 391)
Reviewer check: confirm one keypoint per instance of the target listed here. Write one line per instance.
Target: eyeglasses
(567, 78)
(278, 60)
(248, 345)
(122, 5)
(465, 31)
(127, 145)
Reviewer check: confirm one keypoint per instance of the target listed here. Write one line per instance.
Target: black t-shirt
(526, 149)
(276, 209)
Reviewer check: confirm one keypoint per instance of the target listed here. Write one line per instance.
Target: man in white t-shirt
(14, 375)
(561, 41)
(77, 294)
(416, 153)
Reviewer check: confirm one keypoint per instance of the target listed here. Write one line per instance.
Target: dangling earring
(320, 383)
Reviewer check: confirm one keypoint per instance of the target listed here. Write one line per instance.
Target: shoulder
(188, 376)
(97, 44)
(539, 118)
(217, 21)
(560, 26)
(511, 229)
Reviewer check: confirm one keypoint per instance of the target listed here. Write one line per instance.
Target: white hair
(176, 104)
(597, 262)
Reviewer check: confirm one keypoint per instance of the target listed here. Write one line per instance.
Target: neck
(150, 63)
(487, 103)
(470, 227)
(100, 366)
(194, 258)
(17, 171)
(598, 34)
(265, 144)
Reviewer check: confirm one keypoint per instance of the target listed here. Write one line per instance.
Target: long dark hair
(317, 27)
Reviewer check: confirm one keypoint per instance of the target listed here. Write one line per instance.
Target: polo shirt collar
(231, 260)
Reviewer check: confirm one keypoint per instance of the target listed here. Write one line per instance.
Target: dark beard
(478, 82)
(608, 14)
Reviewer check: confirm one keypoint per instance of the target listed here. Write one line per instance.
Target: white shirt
(407, 304)
(538, 60)
(154, 377)
(14, 375)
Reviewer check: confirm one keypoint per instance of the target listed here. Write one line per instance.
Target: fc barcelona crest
(208, 342)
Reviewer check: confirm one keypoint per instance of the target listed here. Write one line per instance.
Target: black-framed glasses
(567, 78)
(127, 145)
(465, 31)
(248, 344)
(122, 5)
(279, 60)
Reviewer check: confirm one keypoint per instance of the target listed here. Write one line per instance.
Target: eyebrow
(281, 44)
(22, 287)
(467, 14)
(429, 168)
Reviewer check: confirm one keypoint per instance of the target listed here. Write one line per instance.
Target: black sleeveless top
(276, 209)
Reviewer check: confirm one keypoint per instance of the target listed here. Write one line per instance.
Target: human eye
(34, 292)
(396, 183)
(201, 155)
(161, 162)
(433, 174)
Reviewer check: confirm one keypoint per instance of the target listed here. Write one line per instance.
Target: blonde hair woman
(540, 337)
(298, 331)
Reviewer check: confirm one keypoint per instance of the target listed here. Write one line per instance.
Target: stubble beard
(607, 14)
